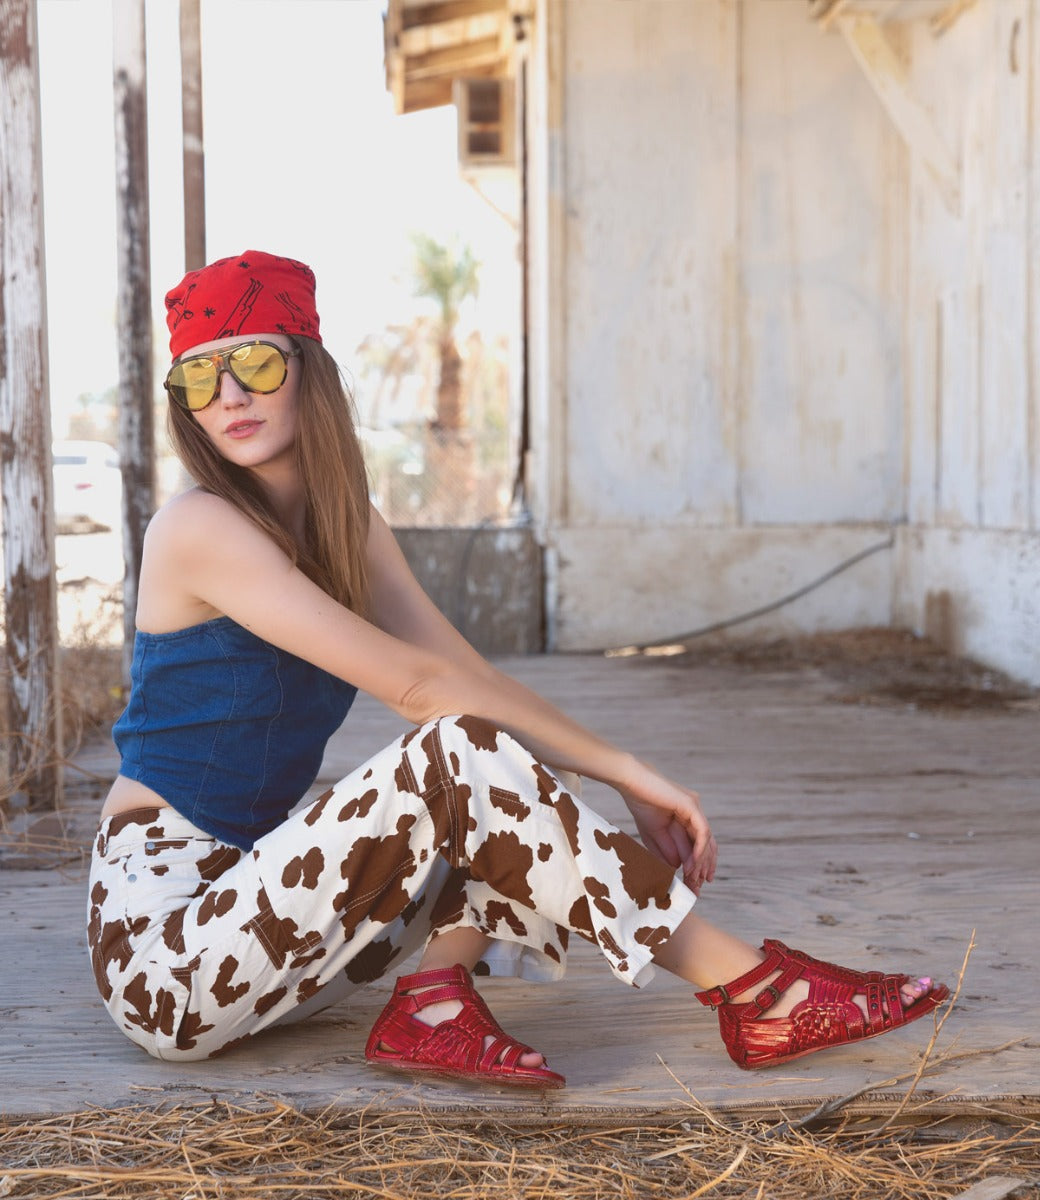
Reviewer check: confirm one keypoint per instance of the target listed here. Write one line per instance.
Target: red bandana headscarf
(249, 293)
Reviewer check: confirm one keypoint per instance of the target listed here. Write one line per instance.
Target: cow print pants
(197, 945)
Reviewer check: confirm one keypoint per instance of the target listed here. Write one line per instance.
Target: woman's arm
(402, 608)
(415, 663)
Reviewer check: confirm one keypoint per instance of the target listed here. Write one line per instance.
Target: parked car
(88, 486)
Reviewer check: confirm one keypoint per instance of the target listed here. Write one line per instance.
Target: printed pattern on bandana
(250, 293)
(197, 945)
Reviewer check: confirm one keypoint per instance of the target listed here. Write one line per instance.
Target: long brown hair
(331, 465)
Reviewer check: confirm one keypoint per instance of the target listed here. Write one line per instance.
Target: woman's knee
(164, 1048)
(179, 1054)
(162, 1022)
(473, 748)
(463, 734)
(476, 731)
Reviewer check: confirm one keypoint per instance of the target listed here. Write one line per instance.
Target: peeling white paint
(25, 435)
(975, 591)
(127, 35)
(761, 325)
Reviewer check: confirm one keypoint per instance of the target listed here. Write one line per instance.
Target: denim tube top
(228, 729)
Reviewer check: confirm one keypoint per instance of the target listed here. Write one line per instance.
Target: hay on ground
(220, 1151)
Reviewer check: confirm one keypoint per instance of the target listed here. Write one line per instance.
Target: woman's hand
(672, 826)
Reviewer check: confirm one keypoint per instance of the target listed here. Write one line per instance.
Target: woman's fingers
(672, 825)
(684, 846)
(700, 866)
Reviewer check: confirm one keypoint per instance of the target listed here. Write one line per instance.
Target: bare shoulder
(182, 535)
(192, 521)
(187, 510)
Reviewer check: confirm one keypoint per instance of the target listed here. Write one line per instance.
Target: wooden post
(136, 422)
(33, 716)
(887, 76)
(194, 147)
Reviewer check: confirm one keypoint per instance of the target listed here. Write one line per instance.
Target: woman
(268, 594)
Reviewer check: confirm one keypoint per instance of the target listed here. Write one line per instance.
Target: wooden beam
(825, 11)
(192, 144)
(427, 46)
(426, 93)
(454, 61)
(447, 10)
(393, 61)
(33, 708)
(134, 289)
(948, 17)
(940, 14)
(887, 77)
(422, 39)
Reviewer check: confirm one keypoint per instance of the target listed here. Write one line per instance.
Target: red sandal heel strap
(774, 961)
(830, 1016)
(448, 983)
(454, 1049)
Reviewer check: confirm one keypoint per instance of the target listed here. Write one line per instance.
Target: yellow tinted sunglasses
(258, 366)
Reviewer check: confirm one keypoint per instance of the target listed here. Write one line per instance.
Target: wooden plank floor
(877, 835)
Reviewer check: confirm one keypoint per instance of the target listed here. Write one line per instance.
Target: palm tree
(448, 276)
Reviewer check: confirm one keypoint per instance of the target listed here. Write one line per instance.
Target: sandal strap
(829, 1016)
(456, 974)
(415, 992)
(777, 958)
(456, 1045)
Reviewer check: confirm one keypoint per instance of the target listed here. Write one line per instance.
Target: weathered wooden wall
(770, 339)
(970, 562)
(30, 692)
(718, 407)
(136, 383)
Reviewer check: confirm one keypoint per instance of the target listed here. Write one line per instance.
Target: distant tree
(95, 417)
(448, 276)
(459, 474)
(389, 358)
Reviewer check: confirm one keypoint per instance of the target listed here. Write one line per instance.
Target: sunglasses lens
(193, 383)
(258, 367)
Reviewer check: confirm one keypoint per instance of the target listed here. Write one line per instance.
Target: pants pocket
(160, 876)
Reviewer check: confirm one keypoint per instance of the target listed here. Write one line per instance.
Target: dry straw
(219, 1152)
(903, 1149)
(91, 696)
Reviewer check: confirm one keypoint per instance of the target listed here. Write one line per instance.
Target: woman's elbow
(421, 701)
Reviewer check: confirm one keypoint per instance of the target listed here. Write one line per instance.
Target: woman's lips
(242, 429)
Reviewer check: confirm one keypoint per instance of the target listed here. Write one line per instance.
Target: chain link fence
(427, 477)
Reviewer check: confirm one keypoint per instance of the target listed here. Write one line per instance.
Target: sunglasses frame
(221, 359)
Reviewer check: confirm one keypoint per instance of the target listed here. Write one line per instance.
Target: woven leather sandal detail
(829, 1017)
(454, 1049)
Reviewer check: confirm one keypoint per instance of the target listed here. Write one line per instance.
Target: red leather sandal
(829, 1017)
(453, 1049)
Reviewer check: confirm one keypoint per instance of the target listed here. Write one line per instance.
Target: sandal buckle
(771, 990)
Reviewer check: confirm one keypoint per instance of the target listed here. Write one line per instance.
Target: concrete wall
(762, 340)
(486, 580)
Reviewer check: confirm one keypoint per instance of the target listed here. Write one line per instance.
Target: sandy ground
(875, 803)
